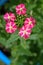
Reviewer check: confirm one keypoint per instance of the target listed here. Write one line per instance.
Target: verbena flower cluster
(11, 25)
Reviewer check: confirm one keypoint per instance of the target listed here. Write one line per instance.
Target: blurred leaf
(2, 41)
(34, 37)
(12, 38)
(24, 43)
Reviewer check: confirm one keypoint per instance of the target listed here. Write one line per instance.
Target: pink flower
(20, 9)
(30, 22)
(25, 32)
(9, 17)
(11, 27)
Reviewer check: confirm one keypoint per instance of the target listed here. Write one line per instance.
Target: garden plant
(21, 31)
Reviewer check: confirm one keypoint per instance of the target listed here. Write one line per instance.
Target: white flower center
(10, 27)
(30, 22)
(24, 31)
(8, 17)
(21, 9)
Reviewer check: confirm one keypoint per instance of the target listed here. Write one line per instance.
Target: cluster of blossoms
(11, 26)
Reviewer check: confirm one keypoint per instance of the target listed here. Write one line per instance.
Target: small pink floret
(25, 32)
(21, 9)
(11, 27)
(9, 17)
(30, 22)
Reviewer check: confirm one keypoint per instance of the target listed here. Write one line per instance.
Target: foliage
(30, 51)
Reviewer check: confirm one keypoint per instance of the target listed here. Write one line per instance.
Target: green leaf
(23, 43)
(2, 41)
(33, 37)
(12, 38)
